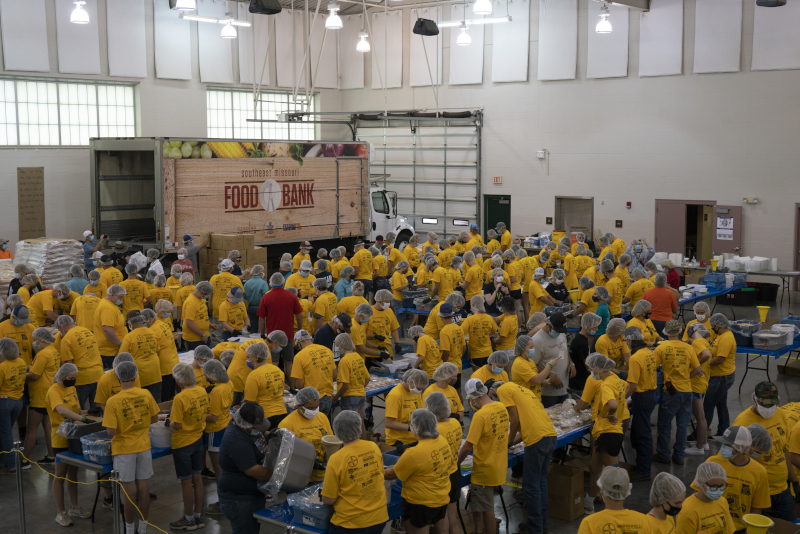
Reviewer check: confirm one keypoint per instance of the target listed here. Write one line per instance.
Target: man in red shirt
(278, 310)
(663, 301)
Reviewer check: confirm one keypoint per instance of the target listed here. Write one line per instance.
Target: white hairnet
(600, 362)
(521, 346)
(720, 321)
(456, 300)
(345, 342)
(602, 293)
(762, 440)
(306, 265)
(478, 304)
(416, 378)
(665, 487)
(701, 308)
(535, 320)
(64, 371)
(606, 266)
(365, 310)
(615, 327)
(633, 334)
(660, 280)
(43, 334)
(226, 357)
(637, 273)
(590, 321)
(259, 351)
(499, 357)
(586, 283)
(276, 280)
(641, 308)
(347, 426)
(307, 394)
(439, 406)
(215, 370)
(416, 331)
(445, 371)
(708, 471)
(424, 424)
(184, 374)
(383, 295)
(203, 353)
(126, 371)
(186, 279)
(76, 271)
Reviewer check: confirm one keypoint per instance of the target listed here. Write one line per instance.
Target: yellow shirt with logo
(535, 293)
(219, 403)
(700, 383)
(314, 365)
(637, 289)
(142, 344)
(442, 277)
(452, 396)
(84, 308)
(588, 301)
(474, 279)
(611, 388)
(299, 257)
(710, 518)
(12, 378)
(137, 293)
(22, 336)
(108, 314)
(238, 370)
(349, 304)
(362, 262)
(40, 303)
(265, 386)
(425, 472)
(167, 352)
(488, 434)
(45, 364)
(505, 240)
(383, 323)
(642, 370)
(195, 310)
(646, 327)
(534, 422)
(233, 314)
(399, 405)
(110, 276)
(130, 412)
(615, 521)
(773, 460)
(478, 327)
(451, 338)
(352, 371)
(99, 291)
(325, 306)
(223, 283)
(189, 408)
(60, 395)
(509, 326)
(616, 293)
(80, 347)
(612, 349)
(398, 281)
(724, 346)
(428, 349)
(109, 385)
(522, 370)
(677, 360)
(379, 265)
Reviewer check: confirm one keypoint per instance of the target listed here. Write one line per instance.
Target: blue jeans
(678, 407)
(717, 398)
(325, 405)
(534, 481)
(642, 437)
(191, 345)
(86, 392)
(9, 411)
(251, 313)
(783, 505)
(239, 510)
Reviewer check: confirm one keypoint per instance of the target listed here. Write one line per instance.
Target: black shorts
(59, 450)
(457, 385)
(421, 516)
(42, 411)
(609, 443)
(455, 486)
(367, 286)
(275, 420)
(480, 362)
(516, 294)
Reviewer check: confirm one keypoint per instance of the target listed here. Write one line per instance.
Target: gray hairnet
(8, 349)
(641, 308)
(136, 319)
(184, 374)
(651, 266)
(203, 353)
(660, 280)
(347, 426)
(720, 321)
(424, 424)
(603, 240)
(416, 378)
(637, 273)
(383, 295)
(163, 306)
(499, 357)
(665, 487)
(365, 310)
(762, 440)
(276, 280)
(152, 253)
(131, 268)
(456, 300)
(602, 293)
(586, 283)
(321, 253)
(701, 307)
(257, 270)
(64, 320)
(456, 262)
(600, 362)
(521, 346)
(415, 331)
(445, 371)
(401, 264)
(633, 334)
(149, 277)
(559, 273)
(259, 351)
(345, 342)
(590, 321)
(240, 422)
(667, 264)
(438, 405)
(121, 358)
(76, 270)
(204, 288)
(126, 371)
(335, 253)
(563, 249)
(215, 370)
(347, 271)
(694, 328)
(148, 314)
(708, 471)
(61, 288)
(498, 271)
(478, 304)
(320, 283)
(15, 300)
(322, 265)
(522, 253)
(279, 336)
(615, 327)
(509, 255)
(469, 255)
(535, 320)
(307, 394)
(186, 279)
(544, 256)
(176, 268)
(430, 263)
(374, 251)
(160, 280)
(43, 334)
(624, 259)
(497, 261)
(226, 357)
(606, 266)
(286, 257)
(64, 371)
(29, 279)
(286, 266)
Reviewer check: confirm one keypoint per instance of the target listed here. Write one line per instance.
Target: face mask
(497, 370)
(531, 353)
(304, 275)
(755, 455)
(638, 248)
(558, 281)
(277, 351)
(5, 247)
(476, 408)
(221, 272)
(714, 494)
(498, 279)
(647, 315)
(310, 414)
(700, 318)
(415, 391)
(250, 364)
(554, 334)
(91, 239)
(766, 413)
(166, 315)
(727, 452)
(181, 256)
(94, 263)
(205, 297)
(595, 299)
(69, 383)
(94, 282)
(17, 275)
(647, 273)
(118, 303)
(36, 345)
(596, 376)
(363, 321)
(673, 510)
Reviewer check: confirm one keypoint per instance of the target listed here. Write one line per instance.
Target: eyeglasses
(716, 488)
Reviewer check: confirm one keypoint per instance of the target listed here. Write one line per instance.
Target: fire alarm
(628, 205)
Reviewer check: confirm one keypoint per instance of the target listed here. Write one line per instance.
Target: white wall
(710, 136)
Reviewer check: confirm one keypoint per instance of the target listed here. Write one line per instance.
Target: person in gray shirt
(549, 343)
(192, 249)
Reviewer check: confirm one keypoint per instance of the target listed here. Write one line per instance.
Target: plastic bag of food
(291, 460)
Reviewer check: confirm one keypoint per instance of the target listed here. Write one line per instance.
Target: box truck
(150, 192)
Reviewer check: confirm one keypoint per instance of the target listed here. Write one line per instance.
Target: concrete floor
(41, 511)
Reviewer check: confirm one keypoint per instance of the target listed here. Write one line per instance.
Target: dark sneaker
(153, 496)
(108, 504)
(213, 509)
(676, 461)
(199, 522)
(637, 476)
(691, 437)
(661, 460)
(26, 464)
(183, 524)
(208, 474)
(46, 460)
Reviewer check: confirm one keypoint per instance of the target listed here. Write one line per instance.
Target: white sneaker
(588, 505)
(706, 447)
(695, 451)
(62, 518)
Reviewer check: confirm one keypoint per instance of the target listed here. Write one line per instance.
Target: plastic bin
(421, 305)
(789, 330)
(766, 292)
(307, 511)
(742, 297)
(739, 279)
(743, 332)
(769, 340)
(410, 294)
(97, 448)
(792, 319)
(74, 432)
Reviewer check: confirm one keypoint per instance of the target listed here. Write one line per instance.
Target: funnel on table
(762, 312)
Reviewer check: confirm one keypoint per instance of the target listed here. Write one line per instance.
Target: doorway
(575, 214)
(698, 231)
(685, 226)
(496, 208)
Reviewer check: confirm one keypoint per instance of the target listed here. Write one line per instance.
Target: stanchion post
(114, 478)
(20, 497)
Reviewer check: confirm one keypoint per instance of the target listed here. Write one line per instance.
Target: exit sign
(497, 180)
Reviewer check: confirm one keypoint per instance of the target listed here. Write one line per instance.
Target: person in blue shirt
(601, 296)
(254, 289)
(343, 287)
(77, 282)
(90, 247)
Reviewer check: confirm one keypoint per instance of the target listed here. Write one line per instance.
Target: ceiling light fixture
(186, 5)
(464, 39)
(472, 22)
(482, 7)
(603, 26)
(228, 21)
(79, 15)
(363, 44)
(228, 31)
(334, 21)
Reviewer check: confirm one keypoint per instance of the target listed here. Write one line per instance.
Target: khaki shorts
(481, 498)
(138, 466)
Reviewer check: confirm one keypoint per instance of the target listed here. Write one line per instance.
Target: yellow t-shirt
(775, 459)
(611, 521)
(22, 336)
(143, 346)
(709, 518)
(336, 268)
(325, 306)
(412, 255)
(442, 277)
(189, 408)
(349, 304)
(110, 276)
(642, 370)
(435, 247)
(451, 431)
(474, 279)
(183, 293)
(794, 442)
(299, 257)
(173, 281)
(12, 378)
(137, 292)
(456, 277)
(535, 293)
(586, 299)
(445, 257)
(83, 309)
(493, 245)
(311, 431)
(509, 326)
(488, 434)
(160, 293)
(352, 371)
(265, 386)
(724, 346)
(612, 349)
(485, 374)
(451, 338)
(45, 364)
(395, 256)
(223, 283)
(238, 370)
(747, 488)
(130, 412)
(58, 395)
(303, 284)
(658, 526)
(98, 291)
(109, 385)
(792, 412)
(358, 333)
(314, 365)
(428, 349)
(40, 303)
(622, 273)
(478, 327)
(677, 360)
(611, 388)
(233, 314)
(219, 348)
(195, 310)
(603, 253)
(379, 264)
(383, 323)
(219, 403)
(516, 271)
(616, 292)
(80, 346)
(167, 352)
(700, 383)
(425, 472)
(108, 314)
(362, 262)
(646, 327)
(522, 370)
(534, 423)
(474, 240)
(200, 378)
(434, 323)
(451, 394)
(399, 405)
(354, 477)
(398, 281)
(637, 289)
(505, 240)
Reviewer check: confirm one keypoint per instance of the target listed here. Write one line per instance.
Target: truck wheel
(402, 240)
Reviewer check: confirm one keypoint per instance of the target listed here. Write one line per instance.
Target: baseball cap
(673, 328)
(501, 225)
(87, 233)
(538, 272)
(252, 412)
(445, 310)
(472, 386)
(106, 259)
(305, 244)
(346, 321)
(187, 238)
(237, 294)
(558, 322)
(615, 480)
(359, 242)
(21, 314)
(736, 435)
(473, 226)
(767, 394)
(226, 264)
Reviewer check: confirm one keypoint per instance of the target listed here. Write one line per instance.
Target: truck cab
(384, 215)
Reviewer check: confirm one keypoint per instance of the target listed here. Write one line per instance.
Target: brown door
(670, 226)
(727, 230)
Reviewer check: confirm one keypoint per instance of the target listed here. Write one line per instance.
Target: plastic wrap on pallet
(50, 258)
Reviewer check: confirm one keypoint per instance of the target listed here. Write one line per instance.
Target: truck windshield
(379, 203)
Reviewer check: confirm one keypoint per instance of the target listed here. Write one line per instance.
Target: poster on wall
(725, 223)
(30, 200)
(724, 235)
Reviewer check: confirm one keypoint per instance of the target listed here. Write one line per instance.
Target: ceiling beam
(644, 5)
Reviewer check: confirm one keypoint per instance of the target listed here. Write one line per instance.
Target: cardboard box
(207, 271)
(226, 241)
(248, 242)
(784, 527)
(257, 256)
(565, 492)
(792, 368)
(202, 255)
(693, 279)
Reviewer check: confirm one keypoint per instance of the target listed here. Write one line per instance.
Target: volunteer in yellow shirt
(429, 357)
(238, 370)
(137, 294)
(40, 378)
(615, 487)
(473, 276)
(580, 240)
(233, 314)
(487, 440)
(478, 326)
(433, 242)
(309, 424)
(223, 283)
(444, 378)
(537, 296)
(456, 272)
(505, 236)
(109, 385)
(109, 325)
(43, 304)
(62, 403)
(493, 243)
(265, 384)
(142, 343)
(79, 346)
(705, 511)
(353, 482)
(159, 291)
(641, 320)
(84, 309)
(220, 401)
(12, 386)
(586, 303)
(450, 429)
(314, 366)
(305, 248)
(612, 343)
(765, 412)
(637, 288)
(325, 304)
(398, 283)
(363, 264)
(524, 372)
(702, 315)
(403, 399)
(442, 282)
(642, 382)
(508, 325)
(614, 287)
(194, 314)
(604, 246)
(109, 274)
(451, 340)
(411, 252)
(352, 377)
(723, 368)
(667, 493)
(187, 287)
(95, 286)
(188, 420)
(434, 324)
(425, 473)
(19, 328)
(698, 338)
(166, 350)
(349, 304)
(202, 354)
(383, 326)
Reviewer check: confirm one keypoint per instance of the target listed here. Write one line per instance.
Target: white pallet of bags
(50, 258)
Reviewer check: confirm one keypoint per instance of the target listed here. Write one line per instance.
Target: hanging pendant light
(482, 7)
(79, 15)
(186, 5)
(464, 39)
(363, 45)
(603, 26)
(334, 21)
(228, 31)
